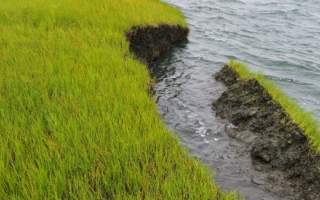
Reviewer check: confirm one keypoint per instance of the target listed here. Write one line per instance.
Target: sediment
(280, 143)
(148, 42)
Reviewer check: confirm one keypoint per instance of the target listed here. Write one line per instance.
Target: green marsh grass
(305, 120)
(76, 121)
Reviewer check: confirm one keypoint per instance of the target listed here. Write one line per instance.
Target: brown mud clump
(148, 42)
(280, 143)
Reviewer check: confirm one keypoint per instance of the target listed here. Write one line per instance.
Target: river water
(279, 38)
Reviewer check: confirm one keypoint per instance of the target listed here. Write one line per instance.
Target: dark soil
(280, 143)
(146, 43)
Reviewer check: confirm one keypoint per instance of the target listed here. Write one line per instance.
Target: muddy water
(269, 37)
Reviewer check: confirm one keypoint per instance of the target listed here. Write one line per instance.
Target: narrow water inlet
(184, 97)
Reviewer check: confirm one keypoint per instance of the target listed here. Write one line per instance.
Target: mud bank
(279, 144)
(148, 42)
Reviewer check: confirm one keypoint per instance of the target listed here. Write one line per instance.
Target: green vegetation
(305, 120)
(76, 121)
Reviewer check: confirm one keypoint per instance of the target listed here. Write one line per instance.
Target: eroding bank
(280, 143)
(148, 42)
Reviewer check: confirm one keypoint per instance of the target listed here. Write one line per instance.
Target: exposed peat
(148, 42)
(280, 143)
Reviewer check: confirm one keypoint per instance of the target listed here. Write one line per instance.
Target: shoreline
(147, 43)
(76, 119)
